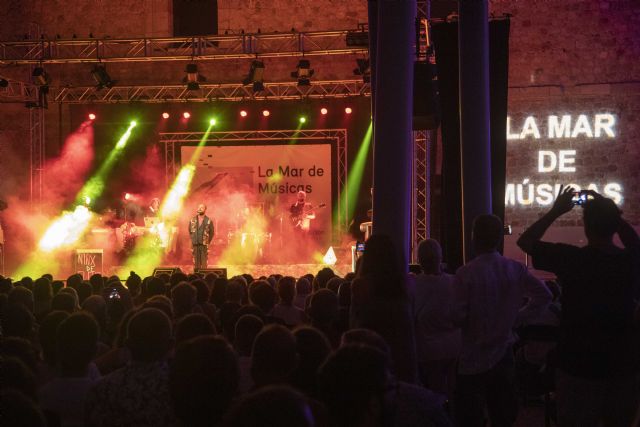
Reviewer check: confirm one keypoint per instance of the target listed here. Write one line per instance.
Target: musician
(154, 208)
(201, 232)
(302, 213)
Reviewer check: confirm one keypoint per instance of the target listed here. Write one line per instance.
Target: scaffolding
(37, 154)
(271, 45)
(337, 137)
(211, 92)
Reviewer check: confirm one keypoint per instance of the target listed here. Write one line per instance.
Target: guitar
(302, 219)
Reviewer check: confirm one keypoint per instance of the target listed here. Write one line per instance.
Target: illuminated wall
(588, 142)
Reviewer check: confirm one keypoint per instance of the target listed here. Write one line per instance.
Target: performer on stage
(154, 208)
(302, 213)
(201, 232)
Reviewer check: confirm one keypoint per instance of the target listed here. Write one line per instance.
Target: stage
(256, 270)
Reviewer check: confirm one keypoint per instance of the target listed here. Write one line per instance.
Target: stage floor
(257, 270)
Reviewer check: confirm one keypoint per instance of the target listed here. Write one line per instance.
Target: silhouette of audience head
(247, 328)
(184, 297)
(344, 294)
(313, 347)
(273, 356)
(430, 256)
(235, 291)
(149, 335)
(156, 286)
(487, 233)
(286, 290)
(48, 334)
(601, 218)
(323, 308)
(17, 321)
(303, 286)
(368, 337)
(322, 278)
(202, 291)
(263, 295)
(272, 406)
(193, 325)
(77, 341)
(352, 384)
(20, 295)
(42, 290)
(203, 380)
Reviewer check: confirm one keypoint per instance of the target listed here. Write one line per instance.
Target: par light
(348, 110)
(255, 76)
(243, 113)
(92, 116)
(363, 69)
(302, 119)
(303, 72)
(266, 113)
(193, 78)
(324, 111)
(165, 115)
(101, 77)
(186, 114)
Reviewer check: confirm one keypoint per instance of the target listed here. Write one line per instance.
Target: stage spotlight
(266, 113)
(193, 78)
(92, 116)
(243, 113)
(133, 123)
(165, 115)
(363, 69)
(128, 196)
(212, 122)
(348, 110)
(255, 76)
(101, 77)
(303, 72)
(186, 114)
(302, 119)
(324, 111)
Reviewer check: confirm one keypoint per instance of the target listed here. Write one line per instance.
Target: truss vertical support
(169, 163)
(343, 211)
(421, 173)
(37, 153)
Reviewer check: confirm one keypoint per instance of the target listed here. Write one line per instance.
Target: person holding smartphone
(598, 354)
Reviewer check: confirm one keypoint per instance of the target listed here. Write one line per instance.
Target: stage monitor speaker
(219, 271)
(165, 270)
(195, 17)
(426, 111)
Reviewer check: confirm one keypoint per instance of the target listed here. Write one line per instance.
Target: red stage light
(92, 116)
(323, 111)
(186, 114)
(165, 115)
(243, 113)
(266, 113)
(128, 196)
(348, 110)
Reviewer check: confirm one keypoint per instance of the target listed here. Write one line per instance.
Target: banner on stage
(230, 179)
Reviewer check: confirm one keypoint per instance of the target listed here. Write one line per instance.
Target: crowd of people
(376, 348)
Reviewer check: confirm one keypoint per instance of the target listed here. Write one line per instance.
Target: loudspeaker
(220, 271)
(195, 17)
(426, 112)
(165, 270)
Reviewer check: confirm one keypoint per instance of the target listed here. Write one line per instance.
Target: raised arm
(534, 233)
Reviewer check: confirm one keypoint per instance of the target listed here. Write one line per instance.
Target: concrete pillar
(475, 139)
(393, 145)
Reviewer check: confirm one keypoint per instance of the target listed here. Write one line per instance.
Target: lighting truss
(19, 92)
(421, 205)
(338, 138)
(211, 92)
(178, 48)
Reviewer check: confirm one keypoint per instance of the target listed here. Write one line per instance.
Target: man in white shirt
(489, 295)
(437, 338)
